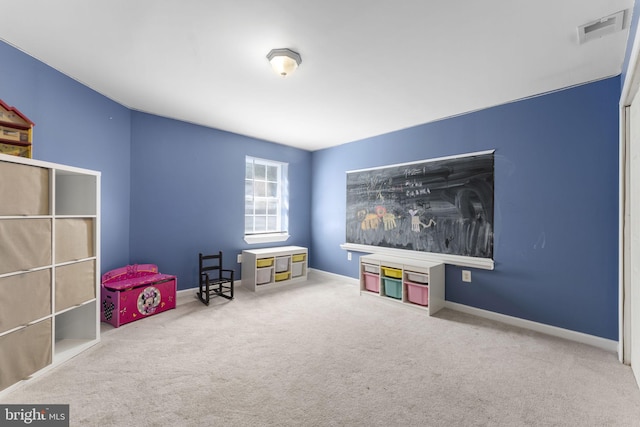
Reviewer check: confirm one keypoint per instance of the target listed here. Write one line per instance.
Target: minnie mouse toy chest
(134, 292)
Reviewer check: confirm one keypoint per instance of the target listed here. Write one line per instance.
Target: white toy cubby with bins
(49, 265)
(408, 281)
(270, 268)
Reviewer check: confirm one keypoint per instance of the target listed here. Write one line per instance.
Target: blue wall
(76, 126)
(556, 200)
(187, 194)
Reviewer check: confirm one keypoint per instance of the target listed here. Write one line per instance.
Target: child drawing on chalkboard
(388, 219)
(416, 223)
(368, 220)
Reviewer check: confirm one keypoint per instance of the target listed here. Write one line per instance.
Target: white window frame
(280, 233)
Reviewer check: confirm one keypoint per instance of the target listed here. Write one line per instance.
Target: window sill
(254, 239)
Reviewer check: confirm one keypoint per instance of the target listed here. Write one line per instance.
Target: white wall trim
(254, 239)
(182, 295)
(629, 90)
(437, 159)
(555, 331)
(592, 340)
(349, 280)
(459, 260)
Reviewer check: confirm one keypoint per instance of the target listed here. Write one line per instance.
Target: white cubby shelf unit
(49, 265)
(271, 268)
(411, 282)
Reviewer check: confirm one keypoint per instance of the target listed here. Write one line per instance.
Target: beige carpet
(319, 354)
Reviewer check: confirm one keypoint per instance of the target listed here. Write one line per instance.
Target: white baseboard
(555, 331)
(349, 280)
(183, 293)
(603, 343)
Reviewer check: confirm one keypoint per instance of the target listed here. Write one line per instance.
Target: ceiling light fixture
(284, 61)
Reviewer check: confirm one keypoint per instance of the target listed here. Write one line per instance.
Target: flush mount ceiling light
(284, 61)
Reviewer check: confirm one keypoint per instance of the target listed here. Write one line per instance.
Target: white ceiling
(368, 66)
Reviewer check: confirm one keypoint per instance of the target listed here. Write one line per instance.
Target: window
(266, 201)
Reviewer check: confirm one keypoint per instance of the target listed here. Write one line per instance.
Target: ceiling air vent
(601, 27)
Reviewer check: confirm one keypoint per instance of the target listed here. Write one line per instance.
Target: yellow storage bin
(298, 257)
(282, 276)
(264, 262)
(392, 272)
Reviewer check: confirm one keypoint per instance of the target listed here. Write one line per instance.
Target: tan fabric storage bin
(74, 239)
(26, 244)
(75, 284)
(18, 306)
(24, 190)
(24, 352)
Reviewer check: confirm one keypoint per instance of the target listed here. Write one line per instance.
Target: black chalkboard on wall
(442, 206)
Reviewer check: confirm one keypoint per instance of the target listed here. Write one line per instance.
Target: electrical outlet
(466, 276)
(348, 256)
(239, 258)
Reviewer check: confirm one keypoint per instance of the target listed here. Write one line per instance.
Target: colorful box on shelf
(282, 276)
(392, 288)
(392, 272)
(370, 268)
(264, 262)
(418, 293)
(135, 292)
(298, 257)
(417, 277)
(371, 282)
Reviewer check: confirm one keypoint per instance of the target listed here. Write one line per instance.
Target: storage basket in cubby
(392, 272)
(417, 277)
(298, 257)
(263, 275)
(282, 276)
(392, 288)
(264, 262)
(371, 282)
(297, 269)
(417, 293)
(282, 264)
(370, 268)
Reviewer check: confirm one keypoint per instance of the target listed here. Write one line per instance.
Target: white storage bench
(270, 268)
(408, 281)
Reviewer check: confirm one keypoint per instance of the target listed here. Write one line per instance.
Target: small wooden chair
(214, 280)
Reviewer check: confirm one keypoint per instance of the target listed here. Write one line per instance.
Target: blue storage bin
(392, 288)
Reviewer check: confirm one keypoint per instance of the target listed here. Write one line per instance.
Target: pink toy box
(134, 292)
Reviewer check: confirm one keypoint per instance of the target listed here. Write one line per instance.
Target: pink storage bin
(417, 293)
(371, 282)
